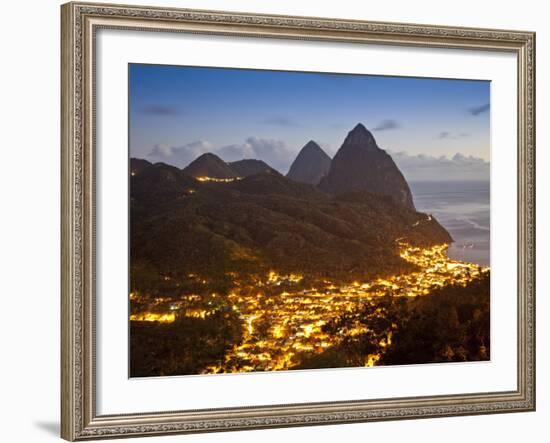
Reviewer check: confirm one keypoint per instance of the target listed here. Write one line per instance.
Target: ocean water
(463, 208)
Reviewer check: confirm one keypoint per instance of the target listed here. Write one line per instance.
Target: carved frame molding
(80, 21)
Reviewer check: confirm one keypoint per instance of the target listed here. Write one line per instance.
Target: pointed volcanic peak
(310, 165)
(360, 165)
(211, 166)
(249, 166)
(360, 138)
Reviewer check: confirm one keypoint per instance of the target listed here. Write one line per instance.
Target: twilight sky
(433, 128)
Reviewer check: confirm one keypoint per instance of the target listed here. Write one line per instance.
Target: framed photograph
(277, 221)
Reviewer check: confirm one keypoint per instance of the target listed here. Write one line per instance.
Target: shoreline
(468, 255)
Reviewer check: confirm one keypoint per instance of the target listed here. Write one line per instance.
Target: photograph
(288, 220)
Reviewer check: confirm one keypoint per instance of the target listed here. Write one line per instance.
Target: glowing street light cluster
(282, 320)
(217, 180)
(154, 316)
(295, 318)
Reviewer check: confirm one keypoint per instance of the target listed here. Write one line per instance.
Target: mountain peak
(360, 165)
(310, 165)
(312, 145)
(249, 166)
(209, 165)
(361, 136)
(208, 156)
(360, 127)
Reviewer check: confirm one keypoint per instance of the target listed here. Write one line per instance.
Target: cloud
(387, 124)
(274, 152)
(476, 110)
(278, 155)
(153, 109)
(231, 153)
(279, 120)
(179, 155)
(446, 135)
(423, 167)
(461, 159)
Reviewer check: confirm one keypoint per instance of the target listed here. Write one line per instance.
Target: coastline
(463, 209)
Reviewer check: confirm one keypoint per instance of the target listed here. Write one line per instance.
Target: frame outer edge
(533, 99)
(78, 418)
(68, 428)
(532, 200)
(526, 222)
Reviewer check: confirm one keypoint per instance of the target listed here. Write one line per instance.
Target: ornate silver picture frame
(80, 23)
